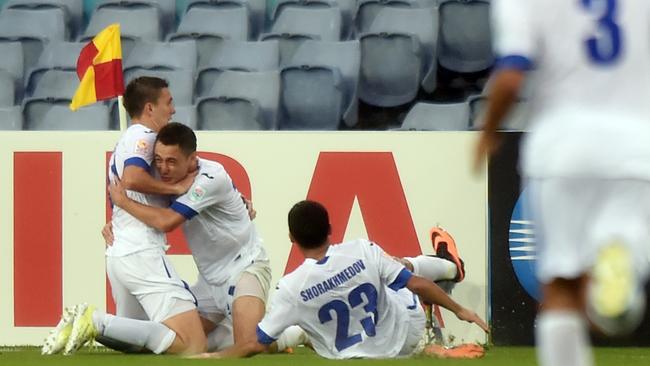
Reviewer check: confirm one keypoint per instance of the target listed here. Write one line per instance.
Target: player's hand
(471, 317)
(107, 233)
(487, 145)
(252, 214)
(185, 184)
(117, 192)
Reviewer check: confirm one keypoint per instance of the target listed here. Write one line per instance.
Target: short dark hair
(140, 91)
(309, 224)
(177, 134)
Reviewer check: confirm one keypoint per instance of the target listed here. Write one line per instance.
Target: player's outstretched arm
(163, 219)
(430, 293)
(246, 349)
(135, 178)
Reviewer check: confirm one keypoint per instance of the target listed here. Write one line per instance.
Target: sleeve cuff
(137, 162)
(184, 210)
(264, 338)
(400, 281)
(516, 62)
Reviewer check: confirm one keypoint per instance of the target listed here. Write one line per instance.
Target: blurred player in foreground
(586, 159)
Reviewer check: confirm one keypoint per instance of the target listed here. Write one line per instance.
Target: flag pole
(122, 112)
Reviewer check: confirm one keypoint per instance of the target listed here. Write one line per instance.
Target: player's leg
(561, 208)
(174, 327)
(445, 265)
(249, 303)
(616, 300)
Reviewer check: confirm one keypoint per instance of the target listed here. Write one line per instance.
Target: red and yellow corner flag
(99, 68)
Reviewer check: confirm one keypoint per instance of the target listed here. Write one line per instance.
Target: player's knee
(564, 294)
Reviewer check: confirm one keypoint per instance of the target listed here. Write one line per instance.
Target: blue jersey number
(366, 295)
(605, 47)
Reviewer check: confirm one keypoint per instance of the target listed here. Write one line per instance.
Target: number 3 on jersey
(363, 294)
(605, 46)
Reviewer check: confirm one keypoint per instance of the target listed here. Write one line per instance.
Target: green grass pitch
(495, 356)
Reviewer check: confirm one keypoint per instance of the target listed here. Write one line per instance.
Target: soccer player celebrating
(155, 308)
(352, 299)
(586, 159)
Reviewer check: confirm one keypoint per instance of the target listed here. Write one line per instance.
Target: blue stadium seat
(437, 117)
(256, 10)
(7, 89)
(137, 24)
(465, 43)
(34, 29)
(11, 118)
(166, 9)
(243, 92)
(56, 83)
(312, 98)
(56, 55)
(419, 21)
(343, 56)
(73, 10)
(247, 56)
(186, 114)
(323, 23)
(12, 62)
(516, 120)
(391, 68)
(162, 56)
(209, 26)
(346, 7)
(229, 113)
(47, 115)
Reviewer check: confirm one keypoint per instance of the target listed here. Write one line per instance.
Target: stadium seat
(256, 9)
(287, 43)
(12, 63)
(422, 22)
(7, 89)
(33, 28)
(209, 26)
(437, 117)
(11, 118)
(46, 115)
(242, 56)
(465, 43)
(56, 55)
(181, 82)
(224, 113)
(344, 56)
(262, 88)
(73, 10)
(346, 7)
(312, 98)
(323, 24)
(135, 24)
(516, 120)
(391, 68)
(166, 9)
(162, 56)
(56, 83)
(186, 114)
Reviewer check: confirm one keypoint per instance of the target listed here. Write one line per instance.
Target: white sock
(291, 337)
(562, 339)
(433, 268)
(156, 337)
(220, 338)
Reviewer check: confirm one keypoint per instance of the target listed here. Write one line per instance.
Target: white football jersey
(342, 303)
(219, 232)
(590, 82)
(135, 147)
